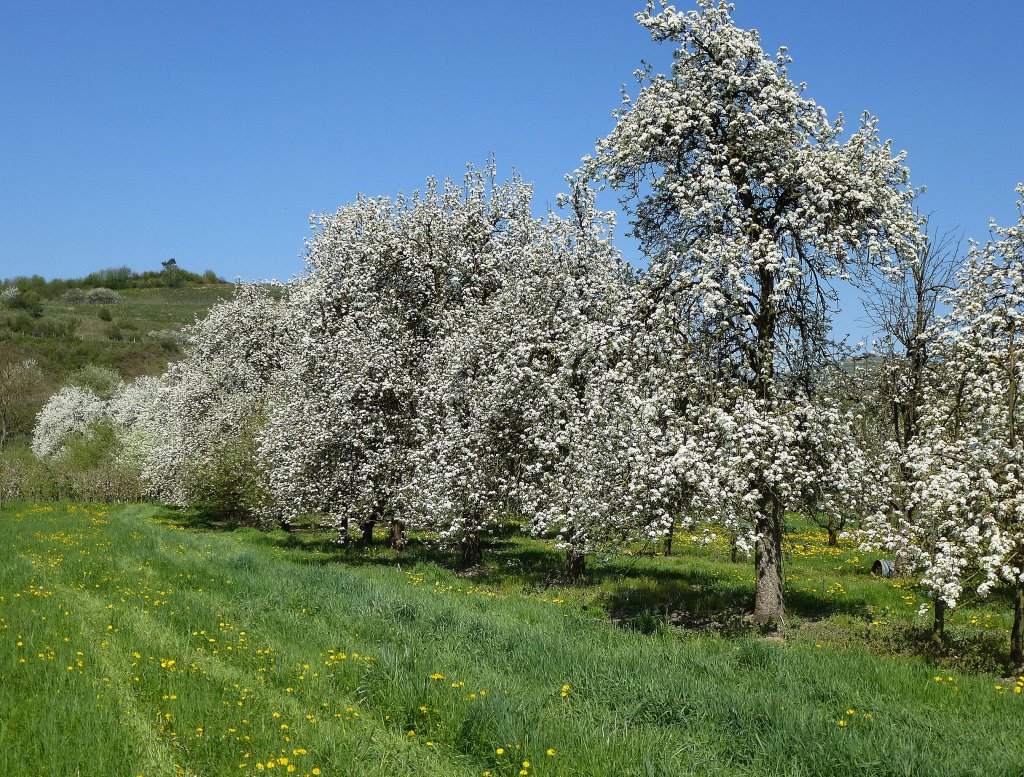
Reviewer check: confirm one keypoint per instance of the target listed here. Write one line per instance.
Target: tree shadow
(636, 592)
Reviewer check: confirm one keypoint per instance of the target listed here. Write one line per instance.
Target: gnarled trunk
(367, 531)
(470, 552)
(768, 604)
(833, 535)
(396, 538)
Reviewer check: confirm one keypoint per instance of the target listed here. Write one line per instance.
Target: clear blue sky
(208, 131)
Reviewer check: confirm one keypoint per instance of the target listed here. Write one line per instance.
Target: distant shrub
(7, 294)
(28, 301)
(164, 336)
(102, 296)
(24, 324)
(74, 297)
(104, 314)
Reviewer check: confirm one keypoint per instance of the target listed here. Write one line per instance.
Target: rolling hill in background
(132, 323)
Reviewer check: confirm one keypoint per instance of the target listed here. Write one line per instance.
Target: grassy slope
(140, 312)
(208, 652)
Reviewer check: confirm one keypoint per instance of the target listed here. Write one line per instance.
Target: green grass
(283, 645)
(139, 312)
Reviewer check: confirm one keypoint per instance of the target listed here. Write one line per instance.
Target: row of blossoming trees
(449, 359)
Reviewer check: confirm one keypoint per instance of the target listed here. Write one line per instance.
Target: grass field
(137, 642)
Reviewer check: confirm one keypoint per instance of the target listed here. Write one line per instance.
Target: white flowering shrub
(71, 412)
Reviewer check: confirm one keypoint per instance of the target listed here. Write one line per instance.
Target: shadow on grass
(638, 592)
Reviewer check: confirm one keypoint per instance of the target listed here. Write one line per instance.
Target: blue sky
(133, 132)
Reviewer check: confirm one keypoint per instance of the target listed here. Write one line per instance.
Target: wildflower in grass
(841, 723)
(500, 751)
(551, 751)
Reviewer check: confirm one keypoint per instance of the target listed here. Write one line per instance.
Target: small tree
(968, 455)
(903, 304)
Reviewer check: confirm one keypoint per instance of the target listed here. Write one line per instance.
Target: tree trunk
(575, 562)
(734, 552)
(939, 623)
(397, 536)
(768, 605)
(470, 552)
(1017, 632)
(343, 537)
(833, 536)
(367, 531)
(668, 537)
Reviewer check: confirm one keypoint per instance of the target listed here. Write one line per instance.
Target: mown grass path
(130, 646)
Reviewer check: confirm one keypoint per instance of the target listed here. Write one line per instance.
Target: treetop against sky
(211, 132)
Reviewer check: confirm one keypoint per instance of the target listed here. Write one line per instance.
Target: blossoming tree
(747, 200)
(967, 530)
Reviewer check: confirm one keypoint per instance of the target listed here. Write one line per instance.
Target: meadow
(139, 641)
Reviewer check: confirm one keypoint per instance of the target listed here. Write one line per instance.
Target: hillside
(172, 649)
(137, 334)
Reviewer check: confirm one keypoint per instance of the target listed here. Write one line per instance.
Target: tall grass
(129, 645)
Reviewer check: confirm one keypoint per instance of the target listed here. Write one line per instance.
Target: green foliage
(229, 485)
(103, 314)
(38, 327)
(117, 278)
